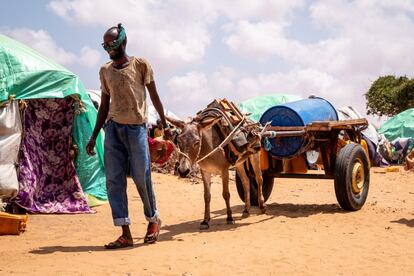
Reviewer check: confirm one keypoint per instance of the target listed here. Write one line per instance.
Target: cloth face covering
(117, 42)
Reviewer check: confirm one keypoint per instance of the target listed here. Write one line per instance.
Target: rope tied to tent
(8, 101)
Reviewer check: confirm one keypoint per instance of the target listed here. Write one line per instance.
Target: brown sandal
(121, 242)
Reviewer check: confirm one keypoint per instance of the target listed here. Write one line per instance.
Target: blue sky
(206, 49)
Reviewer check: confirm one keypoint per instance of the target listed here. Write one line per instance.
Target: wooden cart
(342, 156)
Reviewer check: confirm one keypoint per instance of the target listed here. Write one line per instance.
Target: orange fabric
(160, 150)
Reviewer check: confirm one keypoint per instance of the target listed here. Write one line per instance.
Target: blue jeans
(123, 144)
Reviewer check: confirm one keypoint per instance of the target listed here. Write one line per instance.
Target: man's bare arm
(155, 99)
(100, 120)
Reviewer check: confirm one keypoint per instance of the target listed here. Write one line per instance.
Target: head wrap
(118, 41)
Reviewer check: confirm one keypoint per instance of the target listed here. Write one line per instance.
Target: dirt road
(304, 232)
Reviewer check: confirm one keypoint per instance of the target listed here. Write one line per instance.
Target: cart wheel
(351, 177)
(267, 187)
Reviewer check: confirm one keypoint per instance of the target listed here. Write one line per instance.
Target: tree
(389, 95)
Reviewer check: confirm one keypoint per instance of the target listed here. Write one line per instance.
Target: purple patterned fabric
(47, 176)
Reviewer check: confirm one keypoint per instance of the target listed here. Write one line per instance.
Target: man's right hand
(167, 133)
(90, 147)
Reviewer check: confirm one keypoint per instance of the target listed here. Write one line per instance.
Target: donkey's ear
(175, 122)
(207, 122)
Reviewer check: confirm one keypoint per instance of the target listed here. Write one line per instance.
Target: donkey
(197, 140)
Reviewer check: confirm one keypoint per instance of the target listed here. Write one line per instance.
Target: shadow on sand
(302, 210)
(75, 249)
(408, 222)
(217, 223)
(274, 210)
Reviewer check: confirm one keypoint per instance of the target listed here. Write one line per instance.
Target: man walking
(123, 107)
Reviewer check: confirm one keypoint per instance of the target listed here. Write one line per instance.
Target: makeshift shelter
(377, 144)
(258, 105)
(399, 130)
(57, 118)
(399, 126)
(349, 112)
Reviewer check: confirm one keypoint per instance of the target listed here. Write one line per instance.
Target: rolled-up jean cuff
(154, 218)
(122, 221)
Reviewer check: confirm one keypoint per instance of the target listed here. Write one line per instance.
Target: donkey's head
(189, 141)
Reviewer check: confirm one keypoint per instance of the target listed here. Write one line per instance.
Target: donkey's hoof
(245, 214)
(204, 225)
(230, 221)
(263, 209)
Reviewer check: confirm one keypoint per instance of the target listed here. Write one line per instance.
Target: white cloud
(367, 39)
(374, 42)
(169, 33)
(89, 57)
(194, 90)
(187, 93)
(222, 82)
(375, 36)
(276, 10)
(259, 40)
(299, 82)
(41, 41)
(362, 40)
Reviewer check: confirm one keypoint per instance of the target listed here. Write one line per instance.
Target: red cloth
(160, 150)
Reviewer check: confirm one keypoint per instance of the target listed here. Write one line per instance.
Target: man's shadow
(217, 223)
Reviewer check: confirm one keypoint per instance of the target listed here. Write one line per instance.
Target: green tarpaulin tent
(399, 126)
(258, 105)
(25, 75)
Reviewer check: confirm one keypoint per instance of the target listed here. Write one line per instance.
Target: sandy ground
(304, 232)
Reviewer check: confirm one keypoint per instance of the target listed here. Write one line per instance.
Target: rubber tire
(343, 177)
(268, 182)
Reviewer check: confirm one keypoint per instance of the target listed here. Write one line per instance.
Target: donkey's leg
(246, 187)
(207, 198)
(255, 161)
(226, 195)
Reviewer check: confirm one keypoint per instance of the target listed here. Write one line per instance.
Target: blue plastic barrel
(298, 113)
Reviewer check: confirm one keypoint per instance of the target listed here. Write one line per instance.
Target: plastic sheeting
(258, 105)
(348, 112)
(10, 137)
(26, 74)
(89, 169)
(378, 145)
(399, 126)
